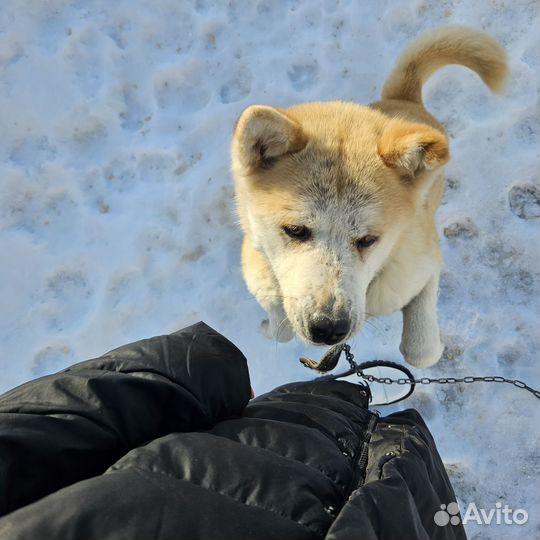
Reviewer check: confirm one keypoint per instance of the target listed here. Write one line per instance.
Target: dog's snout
(323, 329)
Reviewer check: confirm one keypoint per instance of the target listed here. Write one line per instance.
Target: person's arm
(72, 425)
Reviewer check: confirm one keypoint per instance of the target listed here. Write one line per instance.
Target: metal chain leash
(427, 380)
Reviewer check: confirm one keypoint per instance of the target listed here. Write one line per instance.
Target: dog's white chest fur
(399, 282)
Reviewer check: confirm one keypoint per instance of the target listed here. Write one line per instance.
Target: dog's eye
(298, 232)
(366, 241)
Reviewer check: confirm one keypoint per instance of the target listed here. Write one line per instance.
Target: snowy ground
(116, 211)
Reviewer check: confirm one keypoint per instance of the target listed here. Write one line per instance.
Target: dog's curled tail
(449, 45)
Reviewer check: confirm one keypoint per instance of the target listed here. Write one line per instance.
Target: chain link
(427, 380)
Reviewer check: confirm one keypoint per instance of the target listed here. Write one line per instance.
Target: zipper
(360, 461)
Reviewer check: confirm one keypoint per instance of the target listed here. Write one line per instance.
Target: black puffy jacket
(157, 440)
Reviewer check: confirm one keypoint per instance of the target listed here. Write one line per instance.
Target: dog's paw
(281, 333)
(422, 355)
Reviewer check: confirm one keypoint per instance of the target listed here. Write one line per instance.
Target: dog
(337, 202)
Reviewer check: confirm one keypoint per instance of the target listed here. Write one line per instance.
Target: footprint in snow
(51, 359)
(181, 89)
(136, 112)
(237, 86)
(67, 299)
(303, 77)
(32, 152)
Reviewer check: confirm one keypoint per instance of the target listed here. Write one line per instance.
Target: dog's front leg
(263, 285)
(421, 342)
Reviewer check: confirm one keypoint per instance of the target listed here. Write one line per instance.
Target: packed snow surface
(116, 202)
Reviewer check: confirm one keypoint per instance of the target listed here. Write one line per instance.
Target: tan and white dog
(337, 202)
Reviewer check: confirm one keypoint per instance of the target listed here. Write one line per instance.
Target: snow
(116, 209)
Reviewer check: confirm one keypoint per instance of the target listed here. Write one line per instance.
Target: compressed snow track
(116, 210)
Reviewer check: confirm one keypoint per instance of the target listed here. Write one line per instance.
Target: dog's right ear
(263, 134)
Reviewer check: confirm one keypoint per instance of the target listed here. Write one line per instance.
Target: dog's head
(324, 191)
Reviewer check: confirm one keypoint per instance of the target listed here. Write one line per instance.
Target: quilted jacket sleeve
(60, 429)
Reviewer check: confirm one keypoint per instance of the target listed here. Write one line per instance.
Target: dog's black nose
(326, 330)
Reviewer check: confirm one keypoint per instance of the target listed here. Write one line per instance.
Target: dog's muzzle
(324, 329)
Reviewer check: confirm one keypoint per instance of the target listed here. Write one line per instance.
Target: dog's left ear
(411, 148)
(262, 135)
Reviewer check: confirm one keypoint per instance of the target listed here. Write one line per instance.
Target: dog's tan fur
(348, 172)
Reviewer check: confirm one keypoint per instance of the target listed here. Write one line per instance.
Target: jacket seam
(311, 467)
(266, 509)
(321, 429)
